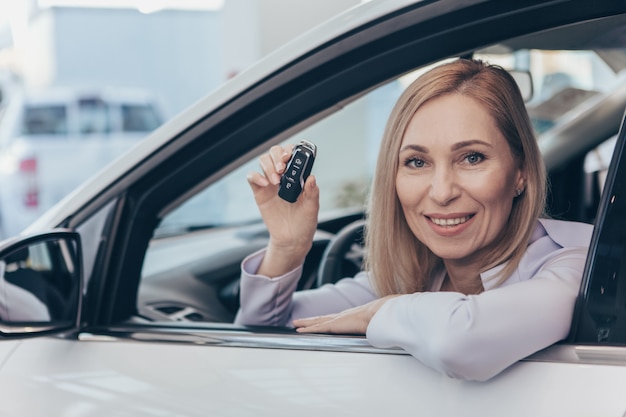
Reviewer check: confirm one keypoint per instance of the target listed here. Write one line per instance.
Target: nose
(444, 188)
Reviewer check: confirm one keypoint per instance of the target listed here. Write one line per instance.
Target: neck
(465, 280)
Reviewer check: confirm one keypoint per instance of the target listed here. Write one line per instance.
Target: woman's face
(456, 179)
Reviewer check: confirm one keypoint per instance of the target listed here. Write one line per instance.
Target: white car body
(100, 367)
(100, 377)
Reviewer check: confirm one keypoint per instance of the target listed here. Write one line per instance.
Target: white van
(51, 140)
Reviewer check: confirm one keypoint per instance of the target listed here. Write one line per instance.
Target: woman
(462, 272)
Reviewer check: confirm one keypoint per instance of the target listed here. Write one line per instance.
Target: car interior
(191, 264)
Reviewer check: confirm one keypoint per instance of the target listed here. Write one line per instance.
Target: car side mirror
(40, 284)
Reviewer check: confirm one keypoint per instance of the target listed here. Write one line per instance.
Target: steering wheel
(343, 255)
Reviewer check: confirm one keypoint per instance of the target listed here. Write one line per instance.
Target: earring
(518, 192)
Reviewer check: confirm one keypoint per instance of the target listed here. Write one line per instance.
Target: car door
(122, 361)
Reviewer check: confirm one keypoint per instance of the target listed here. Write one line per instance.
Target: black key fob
(297, 171)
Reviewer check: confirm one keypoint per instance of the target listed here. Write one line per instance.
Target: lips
(450, 221)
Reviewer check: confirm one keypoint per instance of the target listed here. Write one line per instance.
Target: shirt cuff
(265, 301)
(251, 263)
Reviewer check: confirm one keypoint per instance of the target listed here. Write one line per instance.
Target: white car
(45, 132)
(138, 268)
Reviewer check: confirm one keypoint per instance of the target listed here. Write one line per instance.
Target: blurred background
(81, 81)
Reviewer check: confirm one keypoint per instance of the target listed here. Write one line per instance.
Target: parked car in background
(149, 291)
(53, 139)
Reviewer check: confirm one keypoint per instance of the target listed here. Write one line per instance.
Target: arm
(476, 337)
(269, 278)
(265, 301)
(272, 302)
(291, 225)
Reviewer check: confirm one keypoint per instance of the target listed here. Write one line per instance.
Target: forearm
(476, 337)
(273, 301)
(279, 261)
(265, 301)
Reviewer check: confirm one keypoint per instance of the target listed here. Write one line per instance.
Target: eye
(474, 158)
(415, 163)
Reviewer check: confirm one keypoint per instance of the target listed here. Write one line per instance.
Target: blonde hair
(398, 262)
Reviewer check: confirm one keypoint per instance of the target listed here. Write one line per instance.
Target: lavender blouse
(463, 336)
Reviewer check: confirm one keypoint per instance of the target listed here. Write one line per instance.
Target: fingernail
(275, 179)
(280, 166)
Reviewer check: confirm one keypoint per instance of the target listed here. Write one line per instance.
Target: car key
(297, 171)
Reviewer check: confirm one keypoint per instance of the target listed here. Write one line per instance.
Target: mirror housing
(41, 284)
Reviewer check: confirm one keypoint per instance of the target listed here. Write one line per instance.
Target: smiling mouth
(450, 222)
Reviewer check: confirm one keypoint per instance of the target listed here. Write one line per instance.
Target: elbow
(458, 357)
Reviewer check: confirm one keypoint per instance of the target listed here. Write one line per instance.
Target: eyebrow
(472, 142)
(455, 147)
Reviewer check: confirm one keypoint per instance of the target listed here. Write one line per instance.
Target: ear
(520, 180)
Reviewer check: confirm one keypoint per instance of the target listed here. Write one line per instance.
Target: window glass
(603, 315)
(355, 130)
(42, 277)
(45, 120)
(94, 116)
(566, 85)
(562, 81)
(598, 160)
(139, 118)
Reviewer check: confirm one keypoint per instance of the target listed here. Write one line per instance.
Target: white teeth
(450, 222)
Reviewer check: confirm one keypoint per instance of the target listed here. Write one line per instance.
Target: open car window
(347, 142)
(565, 83)
(191, 268)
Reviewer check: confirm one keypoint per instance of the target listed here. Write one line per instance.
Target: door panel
(50, 377)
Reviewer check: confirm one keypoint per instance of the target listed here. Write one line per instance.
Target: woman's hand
(352, 321)
(291, 225)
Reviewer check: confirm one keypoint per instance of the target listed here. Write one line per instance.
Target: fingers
(311, 191)
(311, 321)
(352, 321)
(268, 166)
(342, 323)
(279, 157)
(256, 179)
(320, 324)
(273, 164)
